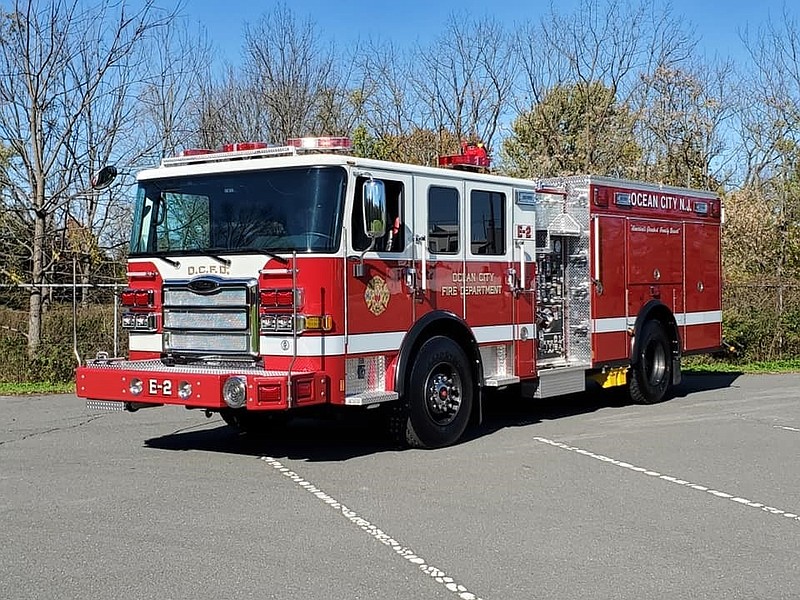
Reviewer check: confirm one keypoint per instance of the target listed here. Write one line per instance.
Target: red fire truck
(266, 280)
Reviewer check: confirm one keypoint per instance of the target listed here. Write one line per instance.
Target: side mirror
(103, 178)
(374, 194)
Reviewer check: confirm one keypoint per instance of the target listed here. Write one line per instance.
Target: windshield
(278, 210)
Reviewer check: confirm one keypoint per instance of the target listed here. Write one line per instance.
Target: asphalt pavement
(577, 497)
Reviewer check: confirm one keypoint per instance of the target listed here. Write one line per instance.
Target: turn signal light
(316, 322)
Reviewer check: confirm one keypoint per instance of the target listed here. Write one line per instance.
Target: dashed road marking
(405, 552)
(786, 428)
(670, 479)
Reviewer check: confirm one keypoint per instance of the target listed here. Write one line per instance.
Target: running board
(498, 382)
(369, 398)
(94, 405)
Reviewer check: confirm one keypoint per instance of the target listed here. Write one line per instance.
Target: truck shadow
(350, 435)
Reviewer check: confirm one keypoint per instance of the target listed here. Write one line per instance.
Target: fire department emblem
(376, 295)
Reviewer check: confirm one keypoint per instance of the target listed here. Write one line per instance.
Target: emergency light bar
(320, 143)
(244, 150)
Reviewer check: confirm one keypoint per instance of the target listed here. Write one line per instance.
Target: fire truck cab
(267, 280)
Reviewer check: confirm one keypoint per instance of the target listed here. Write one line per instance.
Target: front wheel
(652, 375)
(438, 396)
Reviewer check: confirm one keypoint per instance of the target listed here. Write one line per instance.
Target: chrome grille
(206, 342)
(224, 296)
(205, 320)
(221, 321)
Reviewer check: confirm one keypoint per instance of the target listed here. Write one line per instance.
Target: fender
(440, 322)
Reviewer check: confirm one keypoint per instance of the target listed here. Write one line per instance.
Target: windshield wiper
(216, 254)
(263, 252)
(220, 259)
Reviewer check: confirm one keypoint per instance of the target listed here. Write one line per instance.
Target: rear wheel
(438, 397)
(651, 377)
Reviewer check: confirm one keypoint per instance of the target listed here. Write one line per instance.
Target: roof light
(242, 146)
(196, 151)
(320, 143)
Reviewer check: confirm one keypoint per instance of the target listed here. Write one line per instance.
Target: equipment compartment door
(524, 281)
(551, 301)
(703, 323)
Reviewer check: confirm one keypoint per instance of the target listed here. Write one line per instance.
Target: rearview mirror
(374, 194)
(103, 178)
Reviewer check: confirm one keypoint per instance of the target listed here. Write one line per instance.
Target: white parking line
(403, 551)
(670, 479)
(786, 428)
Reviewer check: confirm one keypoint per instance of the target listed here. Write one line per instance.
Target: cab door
(379, 297)
(491, 301)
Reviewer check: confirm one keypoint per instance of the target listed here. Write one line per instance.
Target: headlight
(234, 392)
(136, 386)
(184, 390)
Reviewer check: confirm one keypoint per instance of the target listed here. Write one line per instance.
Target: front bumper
(162, 384)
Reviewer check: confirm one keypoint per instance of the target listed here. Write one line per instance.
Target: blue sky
(717, 23)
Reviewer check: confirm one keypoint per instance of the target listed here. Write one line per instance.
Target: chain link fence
(761, 321)
(79, 321)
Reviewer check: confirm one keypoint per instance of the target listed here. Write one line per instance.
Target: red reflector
(269, 393)
(303, 390)
(241, 146)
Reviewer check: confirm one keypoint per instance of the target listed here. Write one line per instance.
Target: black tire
(253, 422)
(651, 378)
(438, 398)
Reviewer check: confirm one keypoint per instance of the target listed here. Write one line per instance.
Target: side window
(394, 240)
(443, 221)
(487, 222)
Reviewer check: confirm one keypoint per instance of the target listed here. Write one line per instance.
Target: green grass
(44, 387)
(706, 365)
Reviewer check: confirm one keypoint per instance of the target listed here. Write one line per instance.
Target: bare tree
(175, 75)
(291, 72)
(608, 42)
(56, 58)
(465, 78)
(680, 124)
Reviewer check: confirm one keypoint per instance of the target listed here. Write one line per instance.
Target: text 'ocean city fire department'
(264, 281)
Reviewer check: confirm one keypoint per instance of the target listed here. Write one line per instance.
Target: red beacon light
(196, 151)
(244, 146)
(473, 157)
(320, 143)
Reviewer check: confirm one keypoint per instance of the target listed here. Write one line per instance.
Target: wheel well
(660, 312)
(432, 324)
